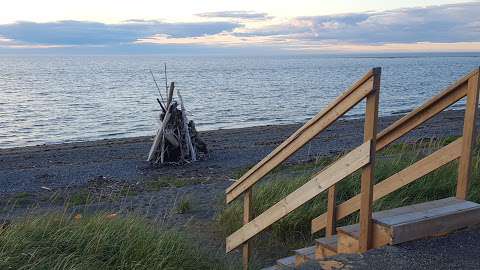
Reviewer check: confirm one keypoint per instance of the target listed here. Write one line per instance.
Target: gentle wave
(54, 99)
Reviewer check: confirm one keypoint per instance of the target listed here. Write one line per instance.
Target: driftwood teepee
(176, 139)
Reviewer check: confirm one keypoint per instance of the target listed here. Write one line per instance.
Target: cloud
(246, 15)
(95, 33)
(442, 24)
(442, 27)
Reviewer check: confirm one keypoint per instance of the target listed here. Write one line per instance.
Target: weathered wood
(469, 135)
(348, 238)
(367, 178)
(159, 136)
(412, 214)
(435, 223)
(170, 93)
(303, 255)
(348, 164)
(247, 216)
(287, 262)
(303, 135)
(331, 228)
(420, 168)
(326, 247)
(432, 107)
(321, 253)
(188, 139)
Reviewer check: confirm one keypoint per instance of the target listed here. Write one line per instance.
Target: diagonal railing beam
(429, 109)
(419, 169)
(321, 121)
(343, 167)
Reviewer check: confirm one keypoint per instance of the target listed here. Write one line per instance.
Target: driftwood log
(176, 139)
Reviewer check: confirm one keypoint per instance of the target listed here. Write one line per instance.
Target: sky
(247, 26)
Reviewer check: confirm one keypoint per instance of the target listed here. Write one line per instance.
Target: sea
(50, 99)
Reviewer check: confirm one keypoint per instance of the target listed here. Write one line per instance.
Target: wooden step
(287, 262)
(304, 254)
(326, 247)
(348, 237)
(412, 222)
(428, 219)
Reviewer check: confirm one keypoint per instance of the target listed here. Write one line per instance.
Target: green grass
(169, 181)
(183, 206)
(99, 242)
(295, 227)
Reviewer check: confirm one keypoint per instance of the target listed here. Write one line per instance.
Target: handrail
(420, 168)
(321, 121)
(429, 109)
(328, 177)
(366, 88)
(467, 85)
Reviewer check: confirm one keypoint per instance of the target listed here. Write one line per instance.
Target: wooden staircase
(392, 227)
(378, 229)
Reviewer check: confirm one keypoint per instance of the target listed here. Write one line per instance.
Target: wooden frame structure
(362, 157)
(367, 87)
(468, 87)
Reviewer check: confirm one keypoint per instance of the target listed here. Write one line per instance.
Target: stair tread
(352, 230)
(306, 251)
(328, 242)
(287, 261)
(413, 213)
(417, 212)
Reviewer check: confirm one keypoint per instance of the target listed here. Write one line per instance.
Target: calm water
(53, 99)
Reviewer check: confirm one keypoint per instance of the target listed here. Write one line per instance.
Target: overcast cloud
(454, 23)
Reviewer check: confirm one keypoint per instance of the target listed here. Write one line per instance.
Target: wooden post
(247, 216)
(331, 228)
(367, 181)
(469, 124)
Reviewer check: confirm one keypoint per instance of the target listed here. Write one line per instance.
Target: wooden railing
(461, 148)
(367, 87)
(363, 157)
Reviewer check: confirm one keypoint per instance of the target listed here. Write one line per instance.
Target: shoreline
(74, 164)
(121, 140)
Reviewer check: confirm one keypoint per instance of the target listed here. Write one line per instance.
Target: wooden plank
(247, 216)
(328, 242)
(287, 262)
(435, 225)
(435, 105)
(368, 175)
(416, 216)
(381, 216)
(303, 135)
(420, 168)
(381, 235)
(469, 135)
(322, 252)
(345, 166)
(346, 243)
(303, 255)
(331, 228)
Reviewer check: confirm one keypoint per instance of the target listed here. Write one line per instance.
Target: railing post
(367, 180)
(247, 216)
(469, 124)
(331, 227)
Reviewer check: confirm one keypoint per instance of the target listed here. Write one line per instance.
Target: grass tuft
(98, 242)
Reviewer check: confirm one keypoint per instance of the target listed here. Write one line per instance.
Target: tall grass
(436, 185)
(98, 242)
